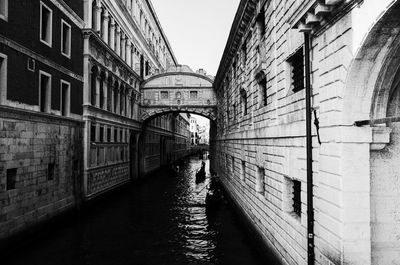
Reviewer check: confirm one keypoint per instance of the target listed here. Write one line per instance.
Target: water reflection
(161, 220)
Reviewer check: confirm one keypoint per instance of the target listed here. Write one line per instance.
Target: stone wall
(40, 168)
(260, 155)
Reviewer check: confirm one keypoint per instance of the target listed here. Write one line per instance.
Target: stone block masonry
(40, 161)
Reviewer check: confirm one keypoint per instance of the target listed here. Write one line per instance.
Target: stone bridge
(178, 90)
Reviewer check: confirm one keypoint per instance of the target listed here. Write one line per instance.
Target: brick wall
(38, 191)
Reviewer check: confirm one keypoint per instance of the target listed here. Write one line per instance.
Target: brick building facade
(260, 142)
(41, 82)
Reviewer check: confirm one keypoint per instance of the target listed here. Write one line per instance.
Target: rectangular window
(46, 24)
(93, 133)
(243, 171)
(108, 134)
(4, 9)
(260, 180)
(262, 86)
(296, 62)
(65, 39)
(101, 134)
(233, 164)
(297, 197)
(11, 178)
(65, 99)
(121, 134)
(3, 78)
(44, 91)
(115, 135)
(193, 94)
(50, 171)
(164, 95)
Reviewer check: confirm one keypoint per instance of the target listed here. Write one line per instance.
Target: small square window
(11, 178)
(46, 24)
(4, 9)
(164, 95)
(50, 171)
(296, 62)
(193, 94)
(65, 39)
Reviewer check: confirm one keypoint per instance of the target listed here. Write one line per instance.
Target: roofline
(153, 12)
(244, 6)
(178, 73)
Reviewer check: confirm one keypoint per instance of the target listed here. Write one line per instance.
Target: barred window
(164, 95)
(193, 94)
(296, 62)
(297, 197)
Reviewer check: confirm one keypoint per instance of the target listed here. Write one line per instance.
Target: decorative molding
(78, 21)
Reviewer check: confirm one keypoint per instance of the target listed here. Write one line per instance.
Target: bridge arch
(178, 90)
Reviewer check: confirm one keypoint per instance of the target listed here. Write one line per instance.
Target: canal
(159, 220)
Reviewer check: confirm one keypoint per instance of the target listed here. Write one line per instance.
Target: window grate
(297, 70)
(297, 197)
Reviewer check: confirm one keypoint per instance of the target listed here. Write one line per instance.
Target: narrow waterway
(161, 220)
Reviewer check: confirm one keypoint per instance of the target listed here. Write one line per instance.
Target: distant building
(203, 133)
(194, 131)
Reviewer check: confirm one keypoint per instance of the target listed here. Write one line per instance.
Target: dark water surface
(161, 220)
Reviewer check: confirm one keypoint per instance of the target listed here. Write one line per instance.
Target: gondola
(200, 175)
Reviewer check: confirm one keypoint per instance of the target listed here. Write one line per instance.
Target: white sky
(197, 29)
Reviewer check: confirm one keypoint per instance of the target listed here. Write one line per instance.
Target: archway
(371, 100)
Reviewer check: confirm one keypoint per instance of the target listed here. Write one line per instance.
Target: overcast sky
(197, 29)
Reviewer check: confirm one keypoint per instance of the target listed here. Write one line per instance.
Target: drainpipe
(310, 195)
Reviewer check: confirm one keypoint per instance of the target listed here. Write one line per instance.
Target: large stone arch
(375, 61)
(372, 87)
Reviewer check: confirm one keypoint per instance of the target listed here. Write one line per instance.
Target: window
(4, 9)
(178, 95)
(233, 164)
(243, 96)
(115, 135)
(297, 197)
(93, 133)
(65, 98)
(102, 134)
(297, 71)
(50, 171)
(46, 20)
(164, 94)
(108, 134)
(3, 78)
(65, 39)
(260, 180)
(244, 53)
(262, 87)
(243, 171)
(44, 91)
(193, 94)
(11, 178)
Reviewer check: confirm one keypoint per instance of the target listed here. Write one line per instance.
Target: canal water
(160, 220)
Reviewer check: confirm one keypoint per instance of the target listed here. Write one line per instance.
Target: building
(204, 131)
(194, 129)
(336, 203)
(124, 44)
(41, 92)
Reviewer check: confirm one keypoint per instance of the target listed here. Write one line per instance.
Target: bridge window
(178, 95)
(297, 71)
(193, 94)
(164, 94)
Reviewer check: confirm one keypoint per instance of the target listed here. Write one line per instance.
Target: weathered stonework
(29, 146)
(261, 130)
